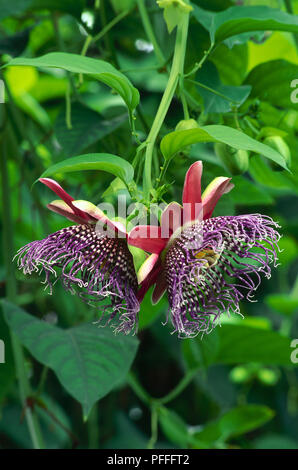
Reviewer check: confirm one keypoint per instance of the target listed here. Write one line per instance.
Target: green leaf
(67, 6)
(13, 8)
(177, 140)
(282, 303)
(88, 361)
(173, 427)
(274, 441)
(236, 422)
(7, 373)
(98, 69)
(94, 161)
(243, 344)
(236, 344)
(201, 353)
(87, 128)
(223, 97)
(174, 12)
(263, 174)
(242, 19)
(257, 194)
(289, 250)
(271, 81)
(54, 435)
(232, 70)
(176, 430)
(17, 7)
(122, 5)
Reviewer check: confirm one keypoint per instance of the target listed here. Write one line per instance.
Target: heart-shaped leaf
(236, 344)
(271, 81)
(88, 361)
(237, 20)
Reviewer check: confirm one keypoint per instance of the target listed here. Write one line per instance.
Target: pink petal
(148, 238)
(171, 219)
(213, 193)
(192, 192)
(147, 267)
(159, 289)
(60, 207)
(97, 214)
(54, 186)
(192, 183)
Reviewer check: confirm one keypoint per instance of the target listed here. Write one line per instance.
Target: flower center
(209, 256)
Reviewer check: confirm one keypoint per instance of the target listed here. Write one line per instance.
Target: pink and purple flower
(205, 264)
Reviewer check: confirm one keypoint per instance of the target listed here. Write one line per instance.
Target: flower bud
(277, 143)
(235, 161)
(186, 124)
(174, 11)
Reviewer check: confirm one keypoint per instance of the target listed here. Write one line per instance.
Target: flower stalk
(11, 291)
(150, 33)
(175, 73)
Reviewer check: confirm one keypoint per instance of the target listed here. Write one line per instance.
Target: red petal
(192, 183)
(192, 192)
(213, 193)
(148, 238)
(171, 219)
(54, 186)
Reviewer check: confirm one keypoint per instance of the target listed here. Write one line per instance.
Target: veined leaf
(18, 7)
(235, 422)
(177, 140)
(87, 128)
(218, 98)
(88, 361)
(237, 20)
(271, 81)
(94, 161)
(99, 69)
(237, 344)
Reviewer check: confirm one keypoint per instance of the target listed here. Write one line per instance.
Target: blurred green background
(241, 388)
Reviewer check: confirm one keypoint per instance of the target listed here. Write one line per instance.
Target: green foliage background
(236, 387)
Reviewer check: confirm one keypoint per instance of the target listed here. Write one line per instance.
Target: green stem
(68, 108)
(154, 428)
(200, 64)
(176, 72)
(93, 428)
(108, 43)
(179, 388)
(61, 46)
(11, 291)
(184, 105)
(138, 389)
(110, 25)
(86, 44)
(149, 32)
(215, 92)
(42, 381)
(148, 400)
